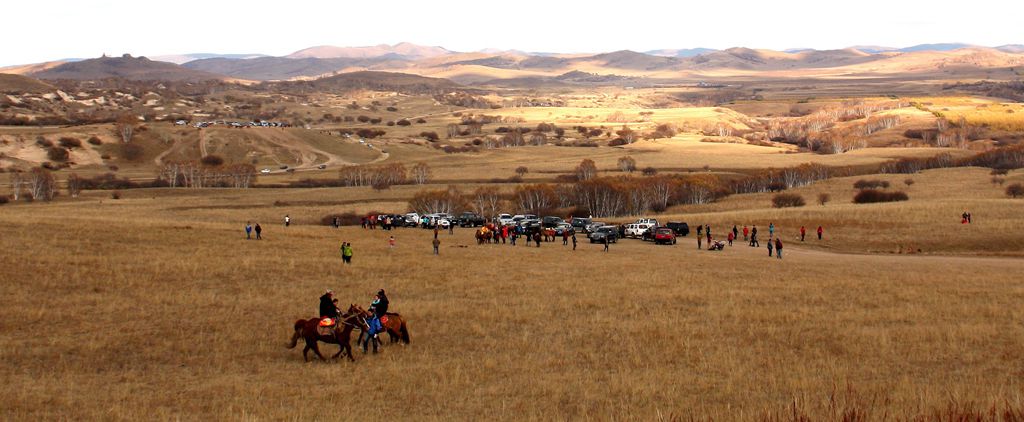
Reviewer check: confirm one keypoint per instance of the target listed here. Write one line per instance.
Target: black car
(470, 219)
(609, 232)
(550, 222)
(580, 223)
(681, 229)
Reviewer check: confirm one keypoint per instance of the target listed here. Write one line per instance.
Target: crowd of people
(750, 235)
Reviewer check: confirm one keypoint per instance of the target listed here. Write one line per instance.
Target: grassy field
(154, 306)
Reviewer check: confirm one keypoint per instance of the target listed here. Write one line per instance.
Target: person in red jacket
(731, 237)
(820, 231)
(803, 233)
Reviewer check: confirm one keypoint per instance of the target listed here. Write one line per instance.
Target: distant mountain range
(949, 59)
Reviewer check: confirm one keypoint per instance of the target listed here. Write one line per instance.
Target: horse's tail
(297, 334)
(405, 332)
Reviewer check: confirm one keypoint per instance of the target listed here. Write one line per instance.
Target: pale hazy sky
(41, 30)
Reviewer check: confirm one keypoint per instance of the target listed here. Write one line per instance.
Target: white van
(637, 229)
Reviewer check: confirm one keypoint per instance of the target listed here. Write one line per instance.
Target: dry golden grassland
(155, 306)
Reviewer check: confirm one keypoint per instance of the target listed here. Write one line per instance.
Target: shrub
(521, 170)
(392, 109)
(1015, 190)
(43, 142)
(57, 154)
(69, 142)
(649, 171)
(212, 160)
(785, 200)
(868, 196)
(823, 198)
(421, 120)
(908, 182)
(403, 122)
(376, 120)
(363, 119)
(871, 184)
(4, 200)
(390, 123)
(115, 195)
(430, 136)
(616, 142)
(95, 141)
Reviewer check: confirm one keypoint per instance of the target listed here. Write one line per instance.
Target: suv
(637, 229)
(663, 235)
(609, 232)
(580, 223)
(681, 229)
(593, 226)
(550, 222)
(412, 219)
(470, 219)
(504, 219)
(653, 222)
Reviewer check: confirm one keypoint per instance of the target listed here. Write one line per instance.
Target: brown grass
(154, 306)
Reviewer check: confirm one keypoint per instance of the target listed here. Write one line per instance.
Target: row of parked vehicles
(647, 229)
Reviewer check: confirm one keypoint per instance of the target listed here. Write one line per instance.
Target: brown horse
(484, 236)
(393, 323)
(340, 334)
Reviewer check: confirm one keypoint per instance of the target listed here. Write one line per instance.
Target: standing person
(753, 236)
(451, 228)
(336, 222)
(435, 232)
(968, 218)
(363, 222)
(536, 238)
(730, 238)
(259, 232)
(699, 239)
(565, 238)
(820, 231)
(605, 241)
(778, 247)
(746, 233)
(771, 230)
(437, 245)
(574, 241)
(391, 242)
(700, 230)
(735, 233)
(707, 232)
(346, 253)
(287, 220)
(770, 245)
(803, 233)
(248, 230)
(512, 238)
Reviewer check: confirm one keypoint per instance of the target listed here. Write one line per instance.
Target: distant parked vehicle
(322, 166)
(664, 235)
(412, 219)
(635, 230)
(550, 221)
(283, 167)
(504, 219)
(265, 171)
(593, 226)
(470, 219)
(580, 223)
(681, 229)
(563, 228)
(609, 232)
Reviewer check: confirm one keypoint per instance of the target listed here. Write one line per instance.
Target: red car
(664, 235)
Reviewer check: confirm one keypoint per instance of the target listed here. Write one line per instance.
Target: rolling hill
(125, 67)
(283, 68)
(378, 81)
(403, 50)
(18, 84)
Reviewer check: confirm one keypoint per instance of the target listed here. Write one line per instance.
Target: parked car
(265, 171)
(635, 230)
(470, 219)
(664, 235)
(504, 219)
(580, 223)
(609, 232)
(562, 228)
(680, 228)
(322, 166)
(412, 219)
(653, 222)
(593, 226)
(550, 221)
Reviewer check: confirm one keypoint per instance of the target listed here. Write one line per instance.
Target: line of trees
(197, 174)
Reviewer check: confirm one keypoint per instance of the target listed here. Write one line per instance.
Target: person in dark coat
(327, 307)
(778, 248)
(259, 232)
(380, 305)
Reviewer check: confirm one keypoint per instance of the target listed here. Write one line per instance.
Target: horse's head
(357, 310)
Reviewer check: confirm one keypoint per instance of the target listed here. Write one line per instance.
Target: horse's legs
(316, 349)
(348, 349)
(305, 352)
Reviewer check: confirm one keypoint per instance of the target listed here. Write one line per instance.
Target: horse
(393, 324)
(341, 334)
(549, 234)
(484, 236)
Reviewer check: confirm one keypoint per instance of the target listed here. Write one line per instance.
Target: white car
(505, 219)
(265, 171)
(637, 229)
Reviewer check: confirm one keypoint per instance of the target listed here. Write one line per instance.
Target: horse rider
(380, 304)
(328, 309)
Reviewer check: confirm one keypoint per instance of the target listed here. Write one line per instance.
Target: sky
(42, 30)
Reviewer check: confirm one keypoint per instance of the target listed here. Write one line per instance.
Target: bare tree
(420, 173)
(74, 185)
(521, 171)
(586, 170)
(126, 126)
(453, 130)
(627, 164)
(17, 182)
(41, 184)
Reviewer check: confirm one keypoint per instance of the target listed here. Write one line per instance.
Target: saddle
(326, 326)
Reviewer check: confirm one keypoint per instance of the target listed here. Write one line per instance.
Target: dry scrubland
(154, 306)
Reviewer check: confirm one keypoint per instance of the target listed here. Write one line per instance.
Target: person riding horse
(328, 307)
(380, 304)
